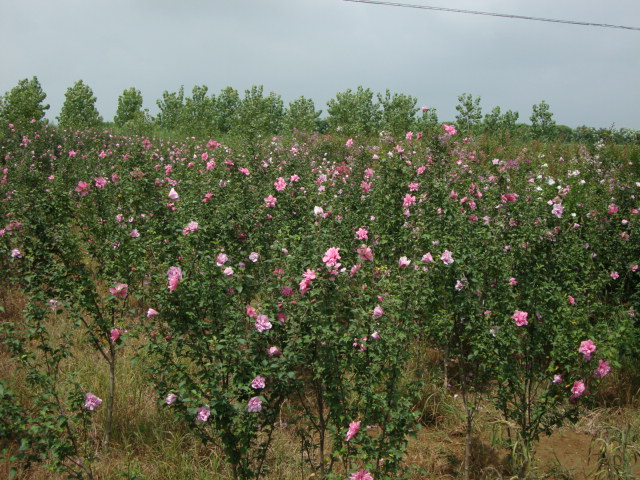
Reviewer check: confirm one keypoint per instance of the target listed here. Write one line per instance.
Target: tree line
(256, 113)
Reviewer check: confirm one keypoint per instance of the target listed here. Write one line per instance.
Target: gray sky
(317, 48)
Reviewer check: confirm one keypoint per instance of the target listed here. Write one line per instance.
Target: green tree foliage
(428, 122)
(258, 114)
(469, 113)
(398, 112)
(23, 104)
(543, 126)
(227, 105)
(302, 115)
(354, 113)
(171, 107)
(129, 107)
(199, 112)
(502, 124)
(79, 110)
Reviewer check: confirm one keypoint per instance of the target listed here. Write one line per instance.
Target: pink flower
(83, 188)
(587, 348)
(270, 201)
(203, 414)
(173, 195)
(15, 253)
(603, 369)
(101, 182)
(408, 200)
(520, 318)
(115, 334)
(228, 272)
(353, 429)
(254, 256)
(571, 300)
(349, 143)
(377, 311)
(447, 257)
(403, 262)
(120, 290)
(91, 402)
(449, 129)
(513, 282)
(254, 405)
(614, 275)
(577, 389)
(280, 184)
(171, 398)
(361, 475)
(331, 257)
(221, 259)
(174, 275)
(151, 313)
(509, 197)
(613, 209)
(262, 323)
(362, 234)
(375, 335)
(557, 378)
(53, 304)
(365, 253)
(427, 258)
(258, 383)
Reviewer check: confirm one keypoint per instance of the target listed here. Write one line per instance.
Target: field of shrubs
(308, 306)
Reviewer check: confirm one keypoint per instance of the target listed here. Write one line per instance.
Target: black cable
(491, 14)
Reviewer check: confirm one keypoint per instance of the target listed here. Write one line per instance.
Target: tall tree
(23, 104)
(171, 107)
(129, 107)
(398, 112)
(543, 126)
(302, 115)
(469, 113)
(354, 113)
(79, 110)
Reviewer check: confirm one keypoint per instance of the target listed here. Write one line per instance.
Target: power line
(492, 14)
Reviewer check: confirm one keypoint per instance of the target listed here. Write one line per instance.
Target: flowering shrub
(287, 289)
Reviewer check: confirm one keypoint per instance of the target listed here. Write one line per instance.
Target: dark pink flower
(115, 334)
(258, 383)
(603, 369)
(361, 475)
(331, 257)
(520, 318)
(353, 429)
(120, 290)
(577, 389)
(83, 188)
(587, 347)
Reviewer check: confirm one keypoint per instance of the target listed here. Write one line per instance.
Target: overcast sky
(317, 48)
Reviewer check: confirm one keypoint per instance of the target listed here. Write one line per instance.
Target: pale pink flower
(353, 429)
(577, 389)
(317, 211)
(203, 414)
(134, 233)
(513, 282)
(173, 195)
(447, 257)
(377, 311)
(403, 262)
(557, 378)
(274, 352)
(254, 405)
(349, 143)
(151, 313)
(603, 369)
(53, 304)
(221, 259)
(557, 210)
(174, 275)
(587, 347)
(262, 323)
(520, 318)
(270, 201)
(614, 275)
(254, 256)
(191, 227)
(375, 335)
(258, 383)
(171, 398)
(427, 258)
(91, 402)
(228, 272)
(15, 253)
(120, 290)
